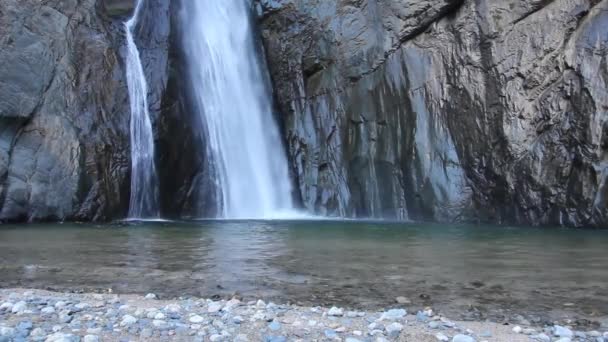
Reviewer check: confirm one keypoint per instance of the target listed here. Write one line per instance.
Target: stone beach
(37, 315)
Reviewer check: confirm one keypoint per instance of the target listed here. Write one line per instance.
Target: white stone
(60, 304)
(334, 311)
(462, 338)
(82, 306)
(529, 331)
(517, 329)
(403, 300)
(94, 331)
(214, 307)
(60, 337)
(124, 307)
(216, 337)
(441, 337)
(260, 304)
(358, 333)
(57, 328)
(37, 332)
(7, 331)
(393, 314)
(594, 333)
(48, 310)
(128, 320)
(159, 315)
(352, 339)
(564, 339)
(8, 306)
(19, 307)
(150, 296)
(91, 338)
(173, 308)
(196, 319)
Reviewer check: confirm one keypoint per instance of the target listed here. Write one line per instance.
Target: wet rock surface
(444, 110)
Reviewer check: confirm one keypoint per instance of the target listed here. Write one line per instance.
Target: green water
(473, 272)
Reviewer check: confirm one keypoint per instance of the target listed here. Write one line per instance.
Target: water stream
(143, 203)
(232, 95)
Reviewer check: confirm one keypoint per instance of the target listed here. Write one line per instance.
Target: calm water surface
(469, 271)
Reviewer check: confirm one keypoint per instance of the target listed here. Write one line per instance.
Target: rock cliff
(445, 110)
(64, 115)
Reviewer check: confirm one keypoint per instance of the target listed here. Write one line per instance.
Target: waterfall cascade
(143, 203)
(231, 93)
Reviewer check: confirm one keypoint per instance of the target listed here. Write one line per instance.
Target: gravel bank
(36, 315)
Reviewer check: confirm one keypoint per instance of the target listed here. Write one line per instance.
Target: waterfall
(230, 92)
(144, 192)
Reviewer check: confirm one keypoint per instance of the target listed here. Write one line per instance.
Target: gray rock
(376, 107)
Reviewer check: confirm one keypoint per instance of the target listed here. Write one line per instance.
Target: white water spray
(231, 95)
(143, 203)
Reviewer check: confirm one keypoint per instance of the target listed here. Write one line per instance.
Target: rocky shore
(36, 315)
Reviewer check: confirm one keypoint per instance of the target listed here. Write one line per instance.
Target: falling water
(232, 96)
(143, 203)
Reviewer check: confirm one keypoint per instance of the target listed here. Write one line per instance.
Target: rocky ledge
(48, 316)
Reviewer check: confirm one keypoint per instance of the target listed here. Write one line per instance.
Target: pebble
(128, 320)
(151, 296)
(403, 300)
(352, 339)
(146, 333)
(19, 307)
(462, 338)
(48, 310)
(560, 331)
(517, 329)
(334, 311)
(393, 314)
(196, 319)
(91, 338)
(441, 337)
(541, 337)
(434, 325)
(60, 337)
(564, 339)
(274, 326)
(8, 306)
(214, 307)
(394, 329)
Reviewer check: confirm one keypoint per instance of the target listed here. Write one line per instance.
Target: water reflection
(495, 270)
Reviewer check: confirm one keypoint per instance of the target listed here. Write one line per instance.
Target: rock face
(64, 115)
(445, 110)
